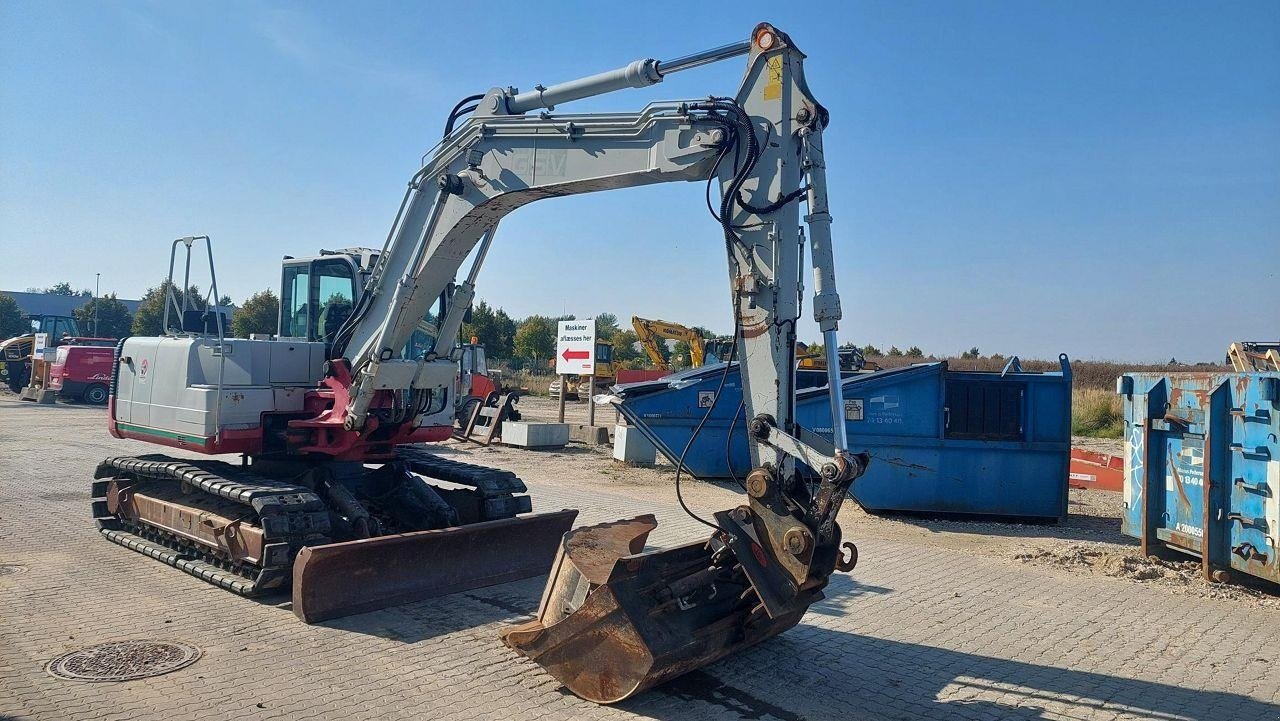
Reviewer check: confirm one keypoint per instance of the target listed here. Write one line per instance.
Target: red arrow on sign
(576, 354)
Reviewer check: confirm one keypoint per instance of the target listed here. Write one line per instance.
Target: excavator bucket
(615, 621)
(340, 579)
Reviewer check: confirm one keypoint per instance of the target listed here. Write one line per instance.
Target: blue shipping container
(941, 441)
(1202, 468)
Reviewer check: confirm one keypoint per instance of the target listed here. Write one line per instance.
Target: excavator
(1254, 356)
(335, 494)
(651, 333)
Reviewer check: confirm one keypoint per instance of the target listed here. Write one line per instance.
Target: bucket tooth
(614, 622)
(340, 579)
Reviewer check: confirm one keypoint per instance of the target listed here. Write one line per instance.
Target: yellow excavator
(651, 333)
(1253, 356)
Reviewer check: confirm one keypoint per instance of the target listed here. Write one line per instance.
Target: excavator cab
(317, 295)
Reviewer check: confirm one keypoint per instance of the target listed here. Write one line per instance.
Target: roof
(50, 304)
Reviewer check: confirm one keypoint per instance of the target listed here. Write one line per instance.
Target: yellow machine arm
(1252, 357)
(650, 332)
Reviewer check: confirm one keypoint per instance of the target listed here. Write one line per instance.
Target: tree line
(528, 342)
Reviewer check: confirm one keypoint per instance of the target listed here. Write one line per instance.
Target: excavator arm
(651, 332)
(768, 559)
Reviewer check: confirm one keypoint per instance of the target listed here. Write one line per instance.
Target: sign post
(564, 383)
(576, 355)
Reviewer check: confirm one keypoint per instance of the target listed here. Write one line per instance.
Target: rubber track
(290, 517)
(489, 481)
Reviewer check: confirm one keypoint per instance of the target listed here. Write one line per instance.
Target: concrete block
(632, 447)
(535, 435)
(590, 435)
(37, 395)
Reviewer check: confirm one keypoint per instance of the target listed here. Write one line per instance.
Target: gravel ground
(942, 619)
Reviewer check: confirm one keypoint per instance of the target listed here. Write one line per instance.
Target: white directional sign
(576, 347)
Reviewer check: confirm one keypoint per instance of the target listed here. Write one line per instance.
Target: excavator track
(131, 494)
(445, 526)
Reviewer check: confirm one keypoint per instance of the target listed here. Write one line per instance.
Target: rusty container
(1202, 468)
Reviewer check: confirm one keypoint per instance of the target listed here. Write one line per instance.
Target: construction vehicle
(851, 359)
(575, 385)
(81, 373)
(1254, 356)
(327, 423)
(15, 353)
(651, 333)
(701, 349)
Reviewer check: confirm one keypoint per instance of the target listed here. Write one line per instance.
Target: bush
(1097, 413)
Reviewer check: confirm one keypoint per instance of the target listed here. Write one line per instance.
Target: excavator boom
(652, 332)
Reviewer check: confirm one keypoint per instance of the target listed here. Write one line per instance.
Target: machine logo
(142, 368)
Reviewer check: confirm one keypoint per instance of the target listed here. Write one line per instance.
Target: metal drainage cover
(124, 660)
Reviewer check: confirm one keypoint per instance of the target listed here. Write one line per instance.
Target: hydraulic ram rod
(639, 74)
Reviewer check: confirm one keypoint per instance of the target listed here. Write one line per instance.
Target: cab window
(295, 309)
(335, 284)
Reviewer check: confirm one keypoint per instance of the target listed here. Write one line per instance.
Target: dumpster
(941, 441)
(1202, 468)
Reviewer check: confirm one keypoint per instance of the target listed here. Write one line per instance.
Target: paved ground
(939, 620)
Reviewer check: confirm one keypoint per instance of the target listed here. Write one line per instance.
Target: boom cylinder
(639, 74)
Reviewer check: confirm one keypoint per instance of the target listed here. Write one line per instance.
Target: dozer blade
(340, 579)
(614, 622)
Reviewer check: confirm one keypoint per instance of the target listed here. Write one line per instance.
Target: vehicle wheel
(95, 394)
(464, 413)
(18, 378)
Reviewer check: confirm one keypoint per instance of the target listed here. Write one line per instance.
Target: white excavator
(335, 494)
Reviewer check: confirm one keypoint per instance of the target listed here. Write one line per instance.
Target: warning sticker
(773, 78)
(706, 399)
(853, 409)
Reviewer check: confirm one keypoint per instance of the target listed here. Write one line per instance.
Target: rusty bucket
(614, 622)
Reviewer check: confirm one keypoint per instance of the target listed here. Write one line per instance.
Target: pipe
(831, 348)
(639, 74)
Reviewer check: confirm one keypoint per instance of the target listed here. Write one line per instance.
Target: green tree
(606, 327)
(681, 356)
(492, 328)
(148, 320)
(895, 352)
(624, 347)
(915, 352)
(64, 288)
(11, 318)
(259, 314)
(972, 353)
(113, 318)
(870, 351)
(535, 338)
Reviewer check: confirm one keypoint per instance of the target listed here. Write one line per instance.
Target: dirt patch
(1180, 576)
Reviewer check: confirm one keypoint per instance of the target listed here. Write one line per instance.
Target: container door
(1253, 478)
(1182, 521)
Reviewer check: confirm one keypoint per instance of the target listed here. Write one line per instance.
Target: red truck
(82, 372)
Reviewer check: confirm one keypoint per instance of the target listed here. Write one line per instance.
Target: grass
(1096, 413)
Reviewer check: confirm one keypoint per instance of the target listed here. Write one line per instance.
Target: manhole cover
(124, 660)
(8, 569)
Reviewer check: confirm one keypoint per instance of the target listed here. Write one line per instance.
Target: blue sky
(1100, 179)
